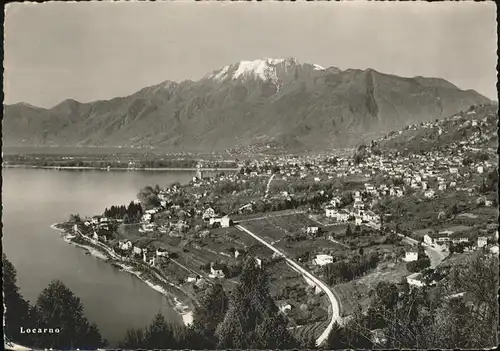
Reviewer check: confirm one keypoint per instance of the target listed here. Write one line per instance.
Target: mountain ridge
(267, 100)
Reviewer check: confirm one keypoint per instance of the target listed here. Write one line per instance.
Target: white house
(209, 213)
(429, 194)
(482, 241)
(161, 252)
(410, 256)
(146, 217)
(137, 250)
(312, 230)
(322, 260)
(148, 258)
(125, 245)
(225, 222)
(331, 212)
(453, 170)
(217, 270)
(442, 186)
(480, 169)
(343, 216)
(258, 262)
(358, 205)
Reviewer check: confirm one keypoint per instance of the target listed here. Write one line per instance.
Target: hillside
(474, 129)
(273, 101)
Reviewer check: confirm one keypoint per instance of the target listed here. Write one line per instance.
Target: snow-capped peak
(262, 68)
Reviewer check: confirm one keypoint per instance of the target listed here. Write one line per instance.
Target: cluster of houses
(443, 239)
(356, 212)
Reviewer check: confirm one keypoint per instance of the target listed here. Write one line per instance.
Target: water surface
(33, 199)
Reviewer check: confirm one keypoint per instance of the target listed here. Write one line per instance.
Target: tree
(134, 339)
(348, 337)
(348, 231)
(17, 310)
(386, 295)
(75, 218)
(58, 306)
(253, 319)
(208, 315)
(159, 334)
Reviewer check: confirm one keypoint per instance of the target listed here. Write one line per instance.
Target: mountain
(267, 102)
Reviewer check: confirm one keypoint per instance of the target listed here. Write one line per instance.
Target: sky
(99, 50)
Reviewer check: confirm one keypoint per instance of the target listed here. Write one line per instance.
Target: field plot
(275, 228)
(313, 246)
(310, 331)
(250, 217)
(195, 258)
(221, 246)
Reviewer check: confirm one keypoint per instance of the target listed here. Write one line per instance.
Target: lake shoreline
(165, 169)
(183, 309)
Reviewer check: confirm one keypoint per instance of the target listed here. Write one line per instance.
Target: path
(335, 304)
(269, 184)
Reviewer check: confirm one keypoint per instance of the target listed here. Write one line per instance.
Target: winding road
(335, 304)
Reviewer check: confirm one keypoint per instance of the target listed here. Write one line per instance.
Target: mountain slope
(472, 130)
(278, 101)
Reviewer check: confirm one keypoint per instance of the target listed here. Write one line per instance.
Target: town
(350, 220)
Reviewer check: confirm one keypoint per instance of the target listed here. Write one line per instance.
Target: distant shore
(121, 168)
(183, 310)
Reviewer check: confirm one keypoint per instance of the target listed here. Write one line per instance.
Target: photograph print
(221, 175)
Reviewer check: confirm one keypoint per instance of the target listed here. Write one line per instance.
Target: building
(322, 260)
(226, 222)
(312, 230)
(358, 205)
(480, 169)
(370, 216)
(429, 194)
(217, 270)
(482, 241)
(209, 213)
(410, 256)
(331, 212)
(161, 252)
(439, 239)
(125, 245)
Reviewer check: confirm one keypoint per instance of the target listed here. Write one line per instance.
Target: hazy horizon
(129, 46)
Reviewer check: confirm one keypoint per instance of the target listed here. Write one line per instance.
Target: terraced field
(275, 228)
(309, 331)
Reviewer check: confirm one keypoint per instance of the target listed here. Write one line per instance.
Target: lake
(33, 199)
